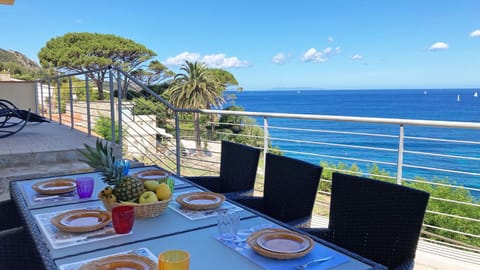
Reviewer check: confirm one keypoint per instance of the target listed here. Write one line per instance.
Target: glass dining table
(194, 231)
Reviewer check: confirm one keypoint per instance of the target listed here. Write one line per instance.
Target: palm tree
(195, 89)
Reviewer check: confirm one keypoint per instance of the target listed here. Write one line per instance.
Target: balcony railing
(417, 153)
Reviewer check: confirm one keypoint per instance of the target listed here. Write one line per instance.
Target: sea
(421, 104)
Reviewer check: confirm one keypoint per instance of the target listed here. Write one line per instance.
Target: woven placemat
(252, 242)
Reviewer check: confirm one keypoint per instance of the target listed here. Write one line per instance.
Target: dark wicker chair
(238, 169)
(17, 250)
(290, 188)
(375, 219)
(10, 216)
(13, 119)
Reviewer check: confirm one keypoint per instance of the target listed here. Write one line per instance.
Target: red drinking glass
(122, 218)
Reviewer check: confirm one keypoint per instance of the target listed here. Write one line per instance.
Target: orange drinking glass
(174, 260)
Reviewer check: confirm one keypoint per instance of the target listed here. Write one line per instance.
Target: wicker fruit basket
(142, 210)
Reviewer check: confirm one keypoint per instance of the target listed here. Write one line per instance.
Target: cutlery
(305, 265)
(81, 238)
(47, 197)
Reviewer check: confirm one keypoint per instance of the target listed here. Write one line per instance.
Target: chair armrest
(255, 203)
(211, 183)
(406, 265)
(301, 222)
(10, 216)
(323, 233)
(244, 193)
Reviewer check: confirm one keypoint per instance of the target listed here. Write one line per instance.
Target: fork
(305, 265)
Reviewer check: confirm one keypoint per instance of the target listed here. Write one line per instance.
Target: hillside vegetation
(19, 66)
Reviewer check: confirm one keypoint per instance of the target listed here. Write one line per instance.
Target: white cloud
(181, 58)
(212, 61)
(312, 55)
(357, 57)
(330, 39)
(475, 33)
(279, 58)
(221, 61)
(438, 46)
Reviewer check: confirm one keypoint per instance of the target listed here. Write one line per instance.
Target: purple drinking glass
(85, 187)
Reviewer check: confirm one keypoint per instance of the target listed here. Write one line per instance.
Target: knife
(87, 237)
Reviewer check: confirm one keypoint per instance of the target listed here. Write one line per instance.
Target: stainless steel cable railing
(390, 149)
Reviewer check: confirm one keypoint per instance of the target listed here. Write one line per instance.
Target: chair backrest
(238, 167)
(376, 219)
(290, 187)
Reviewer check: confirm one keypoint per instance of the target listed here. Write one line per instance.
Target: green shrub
(103, 127)
(446, 193)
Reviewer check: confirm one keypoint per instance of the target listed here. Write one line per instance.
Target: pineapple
(126, 188)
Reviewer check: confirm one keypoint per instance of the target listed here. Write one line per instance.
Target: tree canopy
(80, 52)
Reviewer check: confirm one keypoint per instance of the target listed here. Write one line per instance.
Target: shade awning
(7, 2)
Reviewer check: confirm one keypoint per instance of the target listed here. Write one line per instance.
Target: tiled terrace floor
(55, 138)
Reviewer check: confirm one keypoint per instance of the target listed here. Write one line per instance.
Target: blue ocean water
(444, 105)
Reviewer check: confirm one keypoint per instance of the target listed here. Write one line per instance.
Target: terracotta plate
(280, 244)
(81, 220)
(283, 242)
(55, 186)
(200, 200)
(127, 261)
(151, 175)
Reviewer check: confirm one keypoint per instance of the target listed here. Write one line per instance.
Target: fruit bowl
(142, 210)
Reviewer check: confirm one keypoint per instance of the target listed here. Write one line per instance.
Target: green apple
(148, 197)
(151, 184)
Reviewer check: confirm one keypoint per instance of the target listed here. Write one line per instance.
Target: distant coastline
(359, 89)
(438, 104)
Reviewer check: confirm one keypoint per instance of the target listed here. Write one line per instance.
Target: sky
(301, 44)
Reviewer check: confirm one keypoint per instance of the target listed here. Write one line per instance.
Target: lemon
(163, 192)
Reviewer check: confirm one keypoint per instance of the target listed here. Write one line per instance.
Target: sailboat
(425, 92)
(475, 94)
(458, 98)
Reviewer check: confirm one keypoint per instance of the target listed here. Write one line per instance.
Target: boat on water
(425, 92)
(458, 97)
(475, 94)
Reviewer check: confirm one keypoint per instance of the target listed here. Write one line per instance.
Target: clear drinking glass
(228, 224)
(84, 186)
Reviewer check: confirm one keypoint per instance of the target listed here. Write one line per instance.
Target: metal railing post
(35, 89)
(41, 97)
(265, 142)
(401, 139)
(72, 124)
(112, 104)
(119, 97)
(59, 100)
(50, 99)
(177, 142)
(87, 101)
